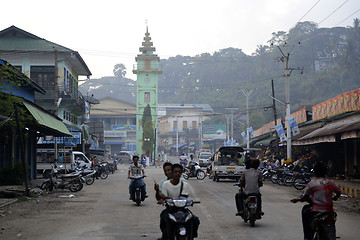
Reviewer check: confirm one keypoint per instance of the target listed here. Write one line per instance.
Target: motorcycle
(138, 189)
(87, 175)
(322, 224)
(197, 172)
(181, 218)
(250, 209)
(69, 181)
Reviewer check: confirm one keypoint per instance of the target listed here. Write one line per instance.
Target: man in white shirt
(175, 188)
(134, 169)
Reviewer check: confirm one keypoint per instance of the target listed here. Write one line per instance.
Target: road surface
(104, 211)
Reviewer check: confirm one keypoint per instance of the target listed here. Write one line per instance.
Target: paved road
(103, 211)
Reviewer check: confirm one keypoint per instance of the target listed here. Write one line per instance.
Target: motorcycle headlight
(180, 203)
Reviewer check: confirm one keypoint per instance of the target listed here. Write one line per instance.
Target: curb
(353, 192)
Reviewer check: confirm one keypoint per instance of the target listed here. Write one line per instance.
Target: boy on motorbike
(319, 192)
(251, 181)
(167, 167)
(175, 188)
(136, 168)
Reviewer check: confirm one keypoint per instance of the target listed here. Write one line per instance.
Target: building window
(147, 97)
(185, 126)
(175, 125)
(194, 125)
(43, 75)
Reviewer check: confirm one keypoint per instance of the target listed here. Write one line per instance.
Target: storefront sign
(342, 103)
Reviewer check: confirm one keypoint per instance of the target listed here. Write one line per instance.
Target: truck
(66, 160)
(228, 163)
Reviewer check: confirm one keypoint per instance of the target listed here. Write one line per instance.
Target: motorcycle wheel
(299, 184)
(89, 180)
(76, 185)
(46, 186)
(252, 221)
(289, 181)
(274, 179)
(137, 198)
(200, 175)
(185, 175)
(104, 175)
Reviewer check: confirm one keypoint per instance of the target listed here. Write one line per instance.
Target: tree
(148, 130)
(119, 70)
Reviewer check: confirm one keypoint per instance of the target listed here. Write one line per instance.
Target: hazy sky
(108, 32)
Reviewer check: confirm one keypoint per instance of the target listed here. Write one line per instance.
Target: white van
(228, 163)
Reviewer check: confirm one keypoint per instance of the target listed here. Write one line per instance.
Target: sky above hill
(109, 32)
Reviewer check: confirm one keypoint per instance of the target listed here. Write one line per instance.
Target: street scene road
(104, 211)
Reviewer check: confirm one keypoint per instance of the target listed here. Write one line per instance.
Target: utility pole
(247, 93)
(232, 110)
(274, 111)
(56, 99)
(227, 116)
(285, 59)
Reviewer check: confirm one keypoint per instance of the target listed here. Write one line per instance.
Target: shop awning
(47, 120)
(327, 133)
(265, 142)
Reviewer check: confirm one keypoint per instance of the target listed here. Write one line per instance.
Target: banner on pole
(280, 130)
(293, 125)
(243, 134)
(251, 132)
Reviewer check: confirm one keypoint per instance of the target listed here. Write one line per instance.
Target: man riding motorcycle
(192, 164)
(320, 192)
(136, 168)
(251, 181)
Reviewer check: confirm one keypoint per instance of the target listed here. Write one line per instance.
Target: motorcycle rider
(251, 181)
(175, 188)
(191, 165)
(136, 168)
(167, 167)
(320, 191)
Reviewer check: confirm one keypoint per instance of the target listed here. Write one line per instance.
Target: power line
(308, 12)
(333, 12)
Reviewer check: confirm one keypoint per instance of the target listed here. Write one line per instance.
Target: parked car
(124, 157)
(204, 158)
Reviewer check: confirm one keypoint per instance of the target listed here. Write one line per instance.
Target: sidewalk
(349, 187)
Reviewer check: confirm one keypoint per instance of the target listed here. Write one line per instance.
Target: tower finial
(147, 28)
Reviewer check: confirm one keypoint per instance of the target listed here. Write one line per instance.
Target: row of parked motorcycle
(74, 180)
(290, 175)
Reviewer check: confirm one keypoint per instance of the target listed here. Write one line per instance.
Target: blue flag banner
(293, 125)
(251, 132)
(243, 134)
(280, 130)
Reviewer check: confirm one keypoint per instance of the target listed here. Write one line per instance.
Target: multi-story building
(119, 121)
(42, 60)
(181, 129)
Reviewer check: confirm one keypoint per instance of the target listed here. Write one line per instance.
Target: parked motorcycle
(87, 175)
(181, 218)
(197, 172)
(138, 189)
(302, 179)
(69, 181)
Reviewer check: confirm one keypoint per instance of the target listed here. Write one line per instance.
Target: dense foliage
(330, 58)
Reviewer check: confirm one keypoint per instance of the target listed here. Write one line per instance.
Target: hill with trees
(329, 57)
